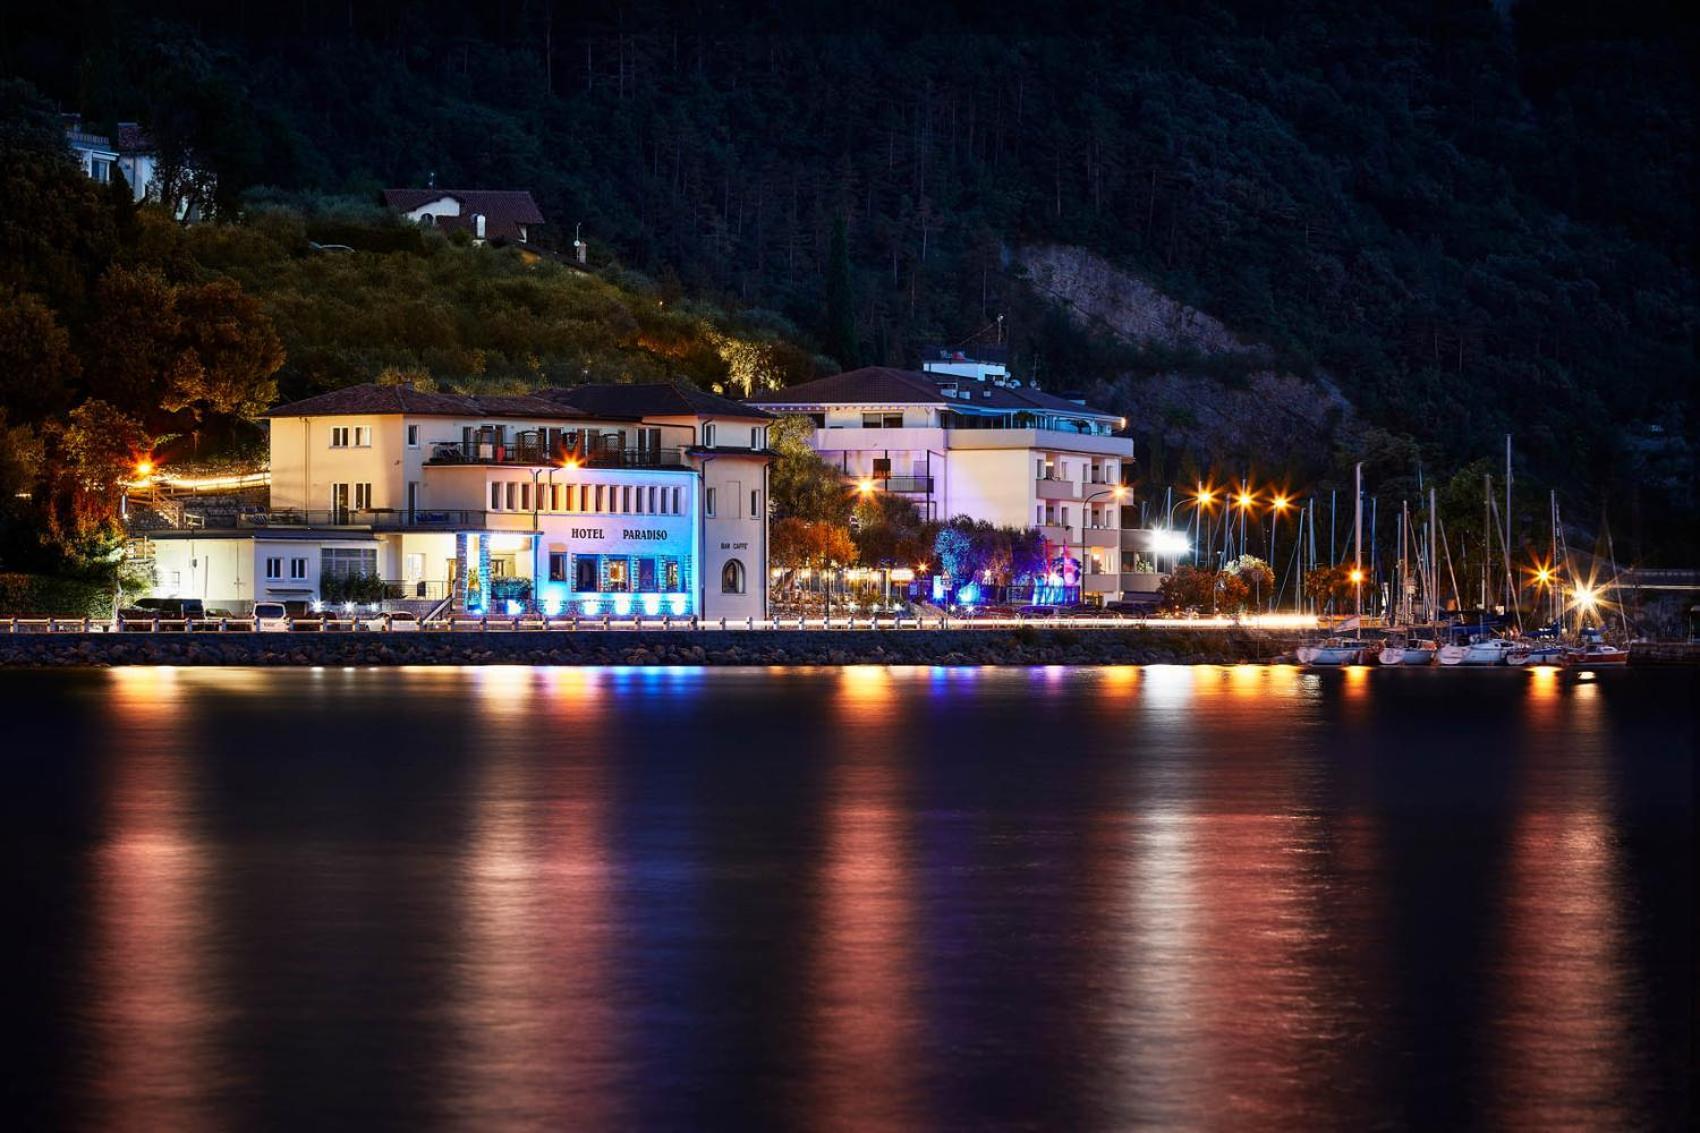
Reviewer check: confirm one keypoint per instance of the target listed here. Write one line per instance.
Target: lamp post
(1117, 492)
(1201, 501)
(1278, 504)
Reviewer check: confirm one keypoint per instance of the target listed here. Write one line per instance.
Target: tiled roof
(504, 209)
(132, 138)
(881, 385)
(653, 399)
(372, 398)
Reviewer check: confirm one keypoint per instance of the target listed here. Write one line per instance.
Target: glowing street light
(1280, 503)
(1357, 577)
(865, 487)
(144, 468)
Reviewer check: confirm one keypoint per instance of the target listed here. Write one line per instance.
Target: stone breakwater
(1021, 646)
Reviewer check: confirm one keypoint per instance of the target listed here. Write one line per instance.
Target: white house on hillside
(488, 214)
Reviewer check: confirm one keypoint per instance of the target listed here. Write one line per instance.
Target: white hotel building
(590, 501)
(963, 438)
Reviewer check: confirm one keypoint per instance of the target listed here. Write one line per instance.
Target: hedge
(25, 594)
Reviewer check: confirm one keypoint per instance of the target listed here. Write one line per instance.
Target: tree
(236, 353)
(796, 543)
(1203, 590)
(800, 484)
(840, 300)
(1256, 581)
(137, 351)
(1330, 587)
(889, 531)
(37, 366)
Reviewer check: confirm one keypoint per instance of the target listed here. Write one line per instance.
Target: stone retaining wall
(1021, 646)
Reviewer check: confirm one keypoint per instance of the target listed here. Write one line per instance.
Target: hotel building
(963, 438)
(594, 500)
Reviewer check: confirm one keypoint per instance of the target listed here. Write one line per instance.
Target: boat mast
(1552, 556)
(1358, 540)
(1433, 559)
(1487, 535)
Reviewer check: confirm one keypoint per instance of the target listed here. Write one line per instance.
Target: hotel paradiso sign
(625, 535)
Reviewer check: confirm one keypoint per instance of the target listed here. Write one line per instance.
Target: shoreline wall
(1019, 646)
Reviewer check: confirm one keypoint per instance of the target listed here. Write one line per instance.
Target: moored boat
(1545, 653)
(1409, 653)
(1338, 651)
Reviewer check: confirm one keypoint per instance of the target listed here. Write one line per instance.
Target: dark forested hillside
(1470, 218)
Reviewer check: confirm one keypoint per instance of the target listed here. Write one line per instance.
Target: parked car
(396, 621)
(271, 617)
(172, 609)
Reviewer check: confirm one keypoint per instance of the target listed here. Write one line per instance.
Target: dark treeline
(1471, 218)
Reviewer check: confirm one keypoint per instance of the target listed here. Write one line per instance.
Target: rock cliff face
(1263, 419)
(1100, 293)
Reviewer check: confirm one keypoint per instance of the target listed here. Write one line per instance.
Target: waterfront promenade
(955, 645)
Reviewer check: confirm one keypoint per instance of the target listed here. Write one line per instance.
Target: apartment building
(962, 437)
(599, 499)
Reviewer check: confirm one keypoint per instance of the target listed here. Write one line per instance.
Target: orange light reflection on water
(863, 1014)
(155, 1024)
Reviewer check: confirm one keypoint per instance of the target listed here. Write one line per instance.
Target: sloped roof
(504, 209)
(372, 398)
(652, 399)
(881, 385)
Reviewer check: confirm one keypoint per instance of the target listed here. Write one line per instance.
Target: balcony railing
(484, 452)
(917, 484)
(418, 519)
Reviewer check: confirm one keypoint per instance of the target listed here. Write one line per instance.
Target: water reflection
(1170, 897)
(535, 997)
(154, 1006)
(862, 1002)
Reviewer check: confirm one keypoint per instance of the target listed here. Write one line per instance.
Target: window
(755, 438)
(652, 495)
(587, 573)
(274, 568)
(598, 507)
(525, 497)
(646, 576)
(495, 497)
(557, 566)
(341, 562)
(339, 436)
(708, 435)
(413, 436)
(362, 436)
(619, 572)
(511, 495)
(732, 577)
(626, 500)
(297, 568)
(363, 497)
(882, 468)
(677, 510)
(755, 503)
(708, 502)
(670, 576)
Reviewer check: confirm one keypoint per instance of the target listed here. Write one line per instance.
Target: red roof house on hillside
(488, 214)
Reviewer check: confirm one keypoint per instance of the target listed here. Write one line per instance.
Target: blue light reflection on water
(868, 897)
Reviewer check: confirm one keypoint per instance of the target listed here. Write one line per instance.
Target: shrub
(26, 594)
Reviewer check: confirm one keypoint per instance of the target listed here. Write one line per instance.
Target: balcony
(1056, 489)
(1142, 582)
(1102, 537)
(534, 454)
(905, 485)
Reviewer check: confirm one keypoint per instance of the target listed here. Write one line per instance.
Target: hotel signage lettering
(735, 546)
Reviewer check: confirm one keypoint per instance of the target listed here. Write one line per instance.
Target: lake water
(848, 899)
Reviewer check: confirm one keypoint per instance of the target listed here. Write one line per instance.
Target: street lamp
(1202, 500)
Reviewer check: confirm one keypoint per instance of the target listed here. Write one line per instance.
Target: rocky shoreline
(1020, 646)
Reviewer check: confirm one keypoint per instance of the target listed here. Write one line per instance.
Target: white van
(270, 617)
